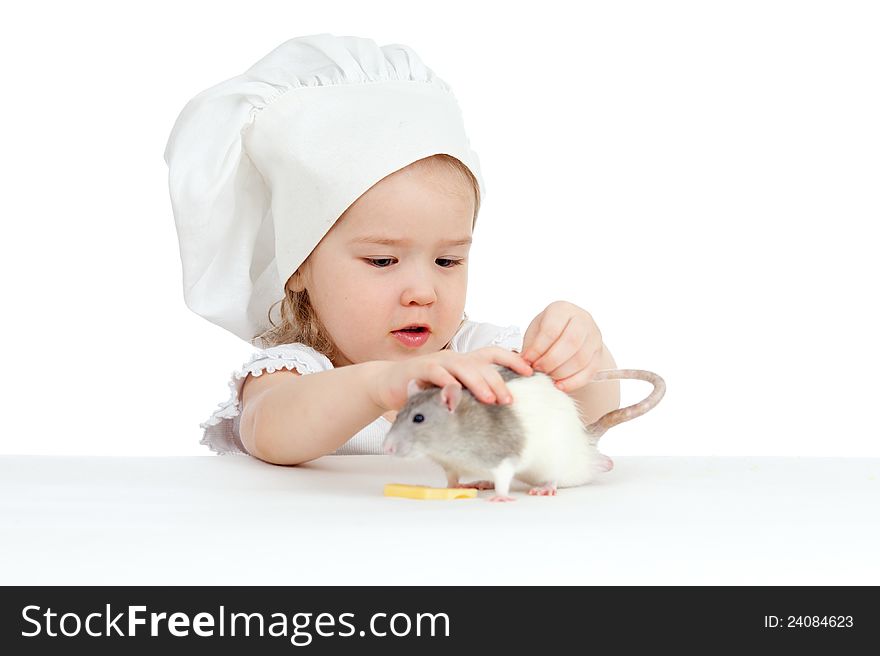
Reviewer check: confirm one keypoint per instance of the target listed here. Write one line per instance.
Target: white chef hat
(263, 164)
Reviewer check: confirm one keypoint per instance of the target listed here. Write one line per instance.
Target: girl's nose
(420, 287)
(421, 294)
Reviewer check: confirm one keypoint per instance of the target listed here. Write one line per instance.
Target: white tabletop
(236, 520)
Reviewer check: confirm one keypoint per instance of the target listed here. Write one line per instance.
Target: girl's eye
(388, 259)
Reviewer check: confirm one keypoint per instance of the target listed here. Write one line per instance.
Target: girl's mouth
(412, 337)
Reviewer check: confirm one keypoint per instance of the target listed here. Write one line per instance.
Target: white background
(702, 177)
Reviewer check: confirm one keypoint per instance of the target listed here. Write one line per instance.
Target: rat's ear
(450, 396)
(412, 387)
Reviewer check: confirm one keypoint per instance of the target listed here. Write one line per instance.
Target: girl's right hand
(473, 370)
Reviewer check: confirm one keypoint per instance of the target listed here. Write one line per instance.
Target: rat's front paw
(480, 485)
(501, 498)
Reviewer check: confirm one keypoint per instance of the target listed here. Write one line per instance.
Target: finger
(575, 364)
(594, 342)
(581, 378)
(441, 377)
(515, 361)
(588, 356)
(571, 339)
(541, 334)
(531, 350)
(476, 383)
(499, 389)
(576, 381)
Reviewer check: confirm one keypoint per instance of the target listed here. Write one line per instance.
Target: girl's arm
(598, 398)
(291, 419)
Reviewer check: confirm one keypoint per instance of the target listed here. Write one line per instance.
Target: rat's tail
(606, 421)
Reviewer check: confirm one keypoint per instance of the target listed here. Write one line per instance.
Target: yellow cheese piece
(422, 492)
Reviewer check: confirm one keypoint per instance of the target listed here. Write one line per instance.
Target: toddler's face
(362, 290)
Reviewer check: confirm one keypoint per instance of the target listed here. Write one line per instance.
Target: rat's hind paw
(480, 485)
(546, 490)
(605, 463)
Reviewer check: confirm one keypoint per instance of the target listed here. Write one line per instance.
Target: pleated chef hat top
(263, 164)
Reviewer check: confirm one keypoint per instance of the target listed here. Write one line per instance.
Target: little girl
(334, 179)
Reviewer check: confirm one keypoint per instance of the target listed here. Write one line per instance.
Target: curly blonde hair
(299, 321)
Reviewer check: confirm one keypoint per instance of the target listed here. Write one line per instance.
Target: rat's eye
(419, 418)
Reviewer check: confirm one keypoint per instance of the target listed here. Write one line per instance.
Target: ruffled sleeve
(474, 335)
(222, 427)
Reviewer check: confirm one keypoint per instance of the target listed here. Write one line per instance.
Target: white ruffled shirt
(222, 427)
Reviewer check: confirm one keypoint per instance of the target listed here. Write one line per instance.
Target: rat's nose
(389, 449)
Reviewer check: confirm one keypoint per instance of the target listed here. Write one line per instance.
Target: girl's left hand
(564, 342)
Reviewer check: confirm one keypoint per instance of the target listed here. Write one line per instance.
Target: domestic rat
(539, 439)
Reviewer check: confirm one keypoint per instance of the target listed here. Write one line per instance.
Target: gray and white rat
(539, 438)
